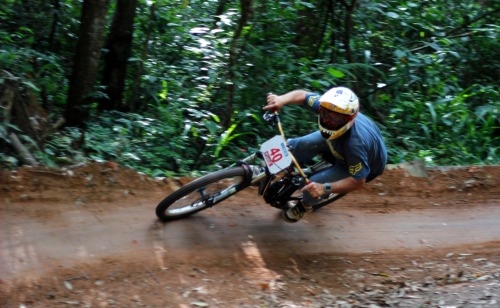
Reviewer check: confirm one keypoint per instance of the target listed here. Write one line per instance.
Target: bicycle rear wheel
(329, 199)
(325, 200)
(201, 193)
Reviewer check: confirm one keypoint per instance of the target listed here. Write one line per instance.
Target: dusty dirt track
(88, 237)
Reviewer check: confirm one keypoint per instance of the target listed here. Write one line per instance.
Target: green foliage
(61, 149)
(140, 142)
(451, 131)
(441, 103)
(426, 71)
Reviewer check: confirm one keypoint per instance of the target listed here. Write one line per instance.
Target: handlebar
(271, 118)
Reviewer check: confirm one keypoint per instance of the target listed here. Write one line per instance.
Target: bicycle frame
(282, 178)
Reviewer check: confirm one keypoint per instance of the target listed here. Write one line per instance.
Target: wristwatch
(328, 188)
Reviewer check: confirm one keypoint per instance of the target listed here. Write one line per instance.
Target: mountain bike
(272, 168)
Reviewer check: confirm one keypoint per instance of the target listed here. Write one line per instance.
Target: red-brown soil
(88, 237)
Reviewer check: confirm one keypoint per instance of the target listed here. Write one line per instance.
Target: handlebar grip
(274, 110)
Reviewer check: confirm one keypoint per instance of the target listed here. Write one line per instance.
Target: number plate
(276, 154)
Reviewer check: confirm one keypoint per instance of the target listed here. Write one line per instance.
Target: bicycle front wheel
(201, 194)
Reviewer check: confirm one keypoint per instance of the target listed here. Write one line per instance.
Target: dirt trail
(68, 234)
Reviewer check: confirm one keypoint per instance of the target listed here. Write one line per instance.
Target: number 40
(276, 155)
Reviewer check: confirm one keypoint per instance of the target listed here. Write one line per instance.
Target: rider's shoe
(296, 212)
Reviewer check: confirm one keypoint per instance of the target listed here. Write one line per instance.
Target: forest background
(176, 87)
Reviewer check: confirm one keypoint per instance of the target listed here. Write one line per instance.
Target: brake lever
(270, 118)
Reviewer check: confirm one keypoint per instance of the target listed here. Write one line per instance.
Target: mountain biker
(346, 137)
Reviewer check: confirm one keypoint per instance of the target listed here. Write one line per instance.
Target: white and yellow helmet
(337, 110)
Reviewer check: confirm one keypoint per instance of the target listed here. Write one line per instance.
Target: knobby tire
(328, 200)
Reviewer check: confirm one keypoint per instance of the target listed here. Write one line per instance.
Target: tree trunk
(310, 29)
(55, 23)
(136, 84)
(233, 56)
(85, 67)
(324, 21)
(334, 37)
(349, 9)
(220, 9)
(118, 48)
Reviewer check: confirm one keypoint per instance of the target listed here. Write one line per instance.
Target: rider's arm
(346, 185)
(343, 186)
(276, 102)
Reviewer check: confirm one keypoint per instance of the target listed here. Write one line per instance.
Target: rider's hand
(316, 190)
(274, 103)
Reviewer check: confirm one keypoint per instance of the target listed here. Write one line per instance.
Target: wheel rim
(203, 197)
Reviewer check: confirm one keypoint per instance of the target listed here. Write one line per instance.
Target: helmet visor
(332, 120)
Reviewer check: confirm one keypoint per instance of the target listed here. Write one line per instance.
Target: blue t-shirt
(361, 150)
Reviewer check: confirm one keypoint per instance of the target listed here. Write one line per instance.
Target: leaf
(307, 4)
(132, 156)
(335, 73)
(30, 85)
(68, 285)
(434, 46)
(393, 15)
(164, 91)
(399, 53)
(211, 126)
(215, 117)
(225, 138)
(432, 111)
